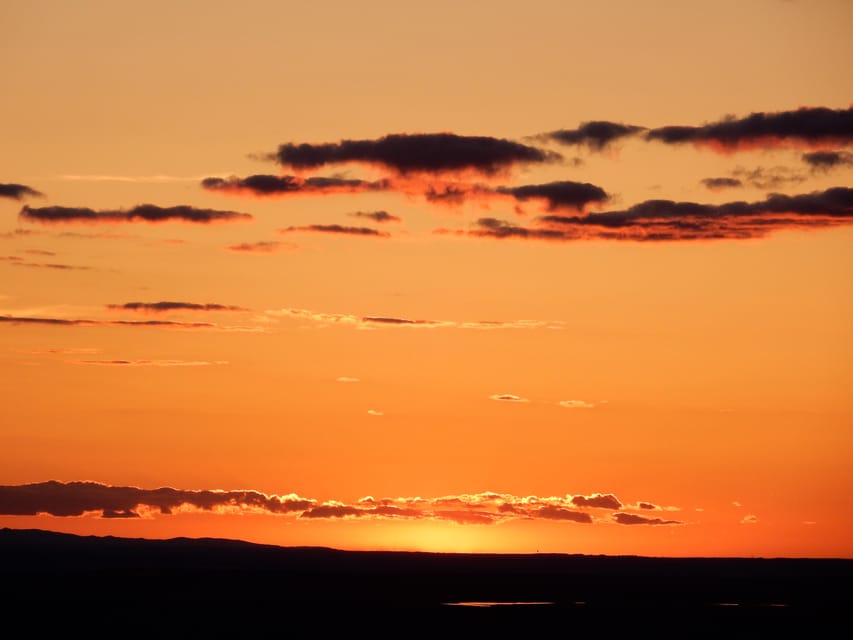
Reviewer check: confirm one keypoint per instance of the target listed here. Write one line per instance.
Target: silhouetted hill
(134, 579)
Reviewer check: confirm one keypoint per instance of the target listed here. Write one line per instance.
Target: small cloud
(374, 412)
(337, 229)
(347, 379)
(716, 184)
(826, 160)
(809, 522)
(576, 404)
(508, 397)
(149, 363)
(263, 246)
(376, 216)
(630, 518)
(17, 191)
(736, 503)
(750, 519)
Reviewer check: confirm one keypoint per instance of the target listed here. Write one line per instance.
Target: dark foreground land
(197, 588)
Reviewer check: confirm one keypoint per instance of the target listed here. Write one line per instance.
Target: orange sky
(565, 357)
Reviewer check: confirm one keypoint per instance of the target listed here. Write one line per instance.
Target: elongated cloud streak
(17, 191)
(263, 246)
(157, 324)
(596, 135)
(376, 216)
(161, 307)
(662, 220)
(417, 153)
(374, 322)
(806, 127)
(148, 363)
(91, 498)
(337, 229)
(139, 213)
(268, 185)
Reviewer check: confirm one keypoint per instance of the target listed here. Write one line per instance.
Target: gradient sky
(498, 276)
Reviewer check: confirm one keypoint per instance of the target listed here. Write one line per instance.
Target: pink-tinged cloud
(486, 508)
(141, 213)
(262, 247)
(166, 306)
(337, 229)
(429, 153)
(807, 127)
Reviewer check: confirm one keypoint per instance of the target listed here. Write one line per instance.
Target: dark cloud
(76, 498)
(139, 213)
(596, 135)
(662, 220)
(376, 216)
(332, 511)
(826, 160)
(798, 128)
(630, 518)
(268, 185)
(715, 184)
(597, 500)
(647, 505)
(17, 191)
(551, 512)
(264, 246)
(417, 153)
(337, 229)
(160, 307)
(17, 233)
(558, 195)
(39, 252)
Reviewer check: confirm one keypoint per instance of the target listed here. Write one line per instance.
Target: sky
(486, 277)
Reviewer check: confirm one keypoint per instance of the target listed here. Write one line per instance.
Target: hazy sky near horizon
(555, 276)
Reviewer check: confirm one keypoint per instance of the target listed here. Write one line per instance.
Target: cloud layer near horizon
(72, 499)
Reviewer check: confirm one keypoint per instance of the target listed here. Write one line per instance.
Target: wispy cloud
(149, 363)
(347, 379)
(507, 397)
(575, 404)
(376, 216)
(631, 518)
(11, 320)
(263, 247)
(376, 322)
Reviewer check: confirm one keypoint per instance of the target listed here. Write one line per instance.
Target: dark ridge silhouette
(227, 585)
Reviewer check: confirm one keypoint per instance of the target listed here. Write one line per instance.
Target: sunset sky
(487, 276)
